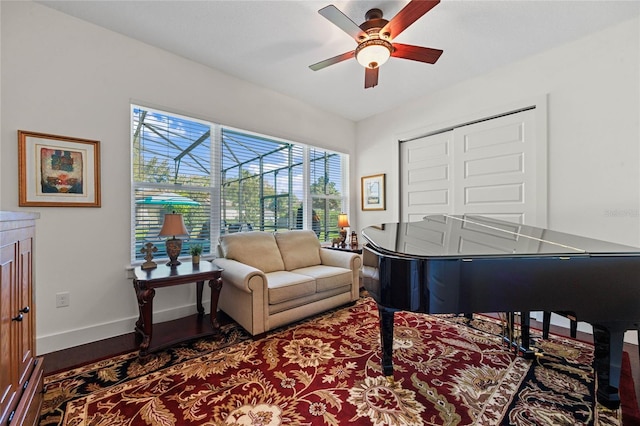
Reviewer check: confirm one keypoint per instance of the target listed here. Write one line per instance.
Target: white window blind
(328, 197)
(261, 182)
(172, 172)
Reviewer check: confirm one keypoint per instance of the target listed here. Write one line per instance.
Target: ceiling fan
(375, 38)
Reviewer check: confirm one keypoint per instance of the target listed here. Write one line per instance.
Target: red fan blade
(370, 77)
(416, 53)
(334, 60)
(343, 22)
(407, 16)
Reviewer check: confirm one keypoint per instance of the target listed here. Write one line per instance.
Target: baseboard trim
(80, 336)
(93, 333)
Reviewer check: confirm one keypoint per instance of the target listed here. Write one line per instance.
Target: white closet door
(427, 170)
(486, 168)
(495, 168)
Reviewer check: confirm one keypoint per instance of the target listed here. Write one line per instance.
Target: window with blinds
(172, 172)
(225, 180)
(261, 182)
(326, 172)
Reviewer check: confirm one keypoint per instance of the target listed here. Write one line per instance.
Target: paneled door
(487, 168)
(427, 176)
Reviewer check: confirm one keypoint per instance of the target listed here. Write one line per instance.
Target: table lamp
(173, 225)
(343, 222)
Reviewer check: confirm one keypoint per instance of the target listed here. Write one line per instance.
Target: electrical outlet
(62, 299)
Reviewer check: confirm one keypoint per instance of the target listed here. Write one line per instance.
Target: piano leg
(523, 347)
(607, 362)
(509, 331)
(525, 333)
(386, 339)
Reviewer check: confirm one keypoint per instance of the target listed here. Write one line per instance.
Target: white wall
(0, 103)
(593, 91)
(63, 76)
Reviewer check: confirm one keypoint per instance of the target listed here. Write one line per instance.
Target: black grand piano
(472, 264)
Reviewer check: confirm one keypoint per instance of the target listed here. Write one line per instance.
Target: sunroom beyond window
(226, 180)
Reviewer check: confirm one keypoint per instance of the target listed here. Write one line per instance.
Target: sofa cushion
(313, 299)
(256, 248)
(285, 286)
(327, 277)
(299, 248)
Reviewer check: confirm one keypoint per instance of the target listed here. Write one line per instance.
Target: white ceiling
(272, 43)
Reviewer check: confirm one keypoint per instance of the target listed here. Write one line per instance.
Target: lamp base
(343, 238)
(174, 247)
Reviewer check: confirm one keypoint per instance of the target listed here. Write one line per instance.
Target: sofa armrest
(243, 276)
(342, 259)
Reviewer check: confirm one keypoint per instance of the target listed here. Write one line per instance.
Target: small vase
(195, 260)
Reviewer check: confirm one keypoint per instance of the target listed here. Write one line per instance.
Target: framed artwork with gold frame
(373, 192)
(57, 171)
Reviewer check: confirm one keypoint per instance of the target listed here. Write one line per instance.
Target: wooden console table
(145, 283)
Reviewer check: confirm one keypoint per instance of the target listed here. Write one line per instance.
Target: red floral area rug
(326, 371)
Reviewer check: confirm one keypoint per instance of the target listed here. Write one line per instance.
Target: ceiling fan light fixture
(373, 53)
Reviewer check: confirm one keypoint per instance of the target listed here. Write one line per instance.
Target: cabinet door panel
(8, 372)
(25, 329)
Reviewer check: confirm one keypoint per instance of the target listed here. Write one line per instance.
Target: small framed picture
(373, 192)
(57, 171)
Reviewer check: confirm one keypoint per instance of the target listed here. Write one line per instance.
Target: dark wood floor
(84, 354)
(169, 331)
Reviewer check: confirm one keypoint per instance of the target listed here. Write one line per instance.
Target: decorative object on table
(354, 240)
(173, 226)
(195, 250)
(343, 222)
(148, 251)
(57, 171)
(373, 192)
(336, 242)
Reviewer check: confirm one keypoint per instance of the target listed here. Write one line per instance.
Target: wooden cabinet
(21, 373)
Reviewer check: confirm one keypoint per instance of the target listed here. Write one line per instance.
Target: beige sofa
(273, 279)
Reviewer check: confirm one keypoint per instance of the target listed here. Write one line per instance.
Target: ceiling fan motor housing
(373, 24)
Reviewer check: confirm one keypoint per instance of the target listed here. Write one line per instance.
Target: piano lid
(468, 235)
